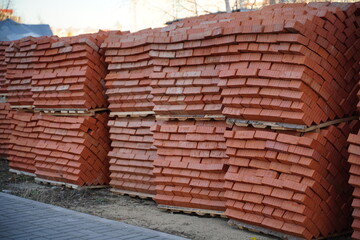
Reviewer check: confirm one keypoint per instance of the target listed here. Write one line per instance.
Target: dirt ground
(135, 211)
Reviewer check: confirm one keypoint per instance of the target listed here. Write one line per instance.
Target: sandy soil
(139, 212)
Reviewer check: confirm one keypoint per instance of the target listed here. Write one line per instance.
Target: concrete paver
(27, 219)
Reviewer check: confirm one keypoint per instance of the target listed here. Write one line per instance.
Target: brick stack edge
(128, 89)
(285, 63)
(49, 73)
(5, 124)
(290, 182)
(354, 180)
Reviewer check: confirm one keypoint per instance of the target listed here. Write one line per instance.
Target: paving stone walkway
(26, 219)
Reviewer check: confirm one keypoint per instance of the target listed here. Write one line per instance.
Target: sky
(104, 14)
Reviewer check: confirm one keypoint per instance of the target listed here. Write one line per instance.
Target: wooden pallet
(23, 107)
(287, 126)
(18, 172)
(262, 230)
(67, 185)
(132, 194)
(132, 114)
(197, 211)
(70, 112)
(187, 117)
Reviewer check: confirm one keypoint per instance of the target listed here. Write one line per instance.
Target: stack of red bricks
(130, 65)
(190, 165)
(3, 82)
(5, 124)
(354, 161)
(72, 149)
(290, 182)
(19, 71)
(187, 65)
(354, 180)
(130, 103)
(62, 76)
(68, 72)
(295, 64)
(132, 155)
(5, 128)
(23, 141)
(67, 78)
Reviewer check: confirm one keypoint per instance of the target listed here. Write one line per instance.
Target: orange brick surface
(290, 183)
(190, 164)
(73, 149)
(132, 154)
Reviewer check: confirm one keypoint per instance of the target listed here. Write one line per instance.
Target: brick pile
(190, 165)
(62, 76)
(5, 124)
(72, 149)
(187, 65)
(3, 82)
(23, 140)
(295, 64)
(68, 77)
(5, 128)
(354, 161)
(130, 103)
(281, 180)
(354, 180)
(129, 65)
(132, 155)
(289, 182)
(69, 72)
(19, 71)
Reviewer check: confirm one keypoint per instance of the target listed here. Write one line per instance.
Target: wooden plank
(68, 185)
(195, 117)
(18, 172)
(329, 123)
(200, 212)
(257, 229)
(132, 114)
(133, 194)
(26, 107)
(286, 126)
(70, 112)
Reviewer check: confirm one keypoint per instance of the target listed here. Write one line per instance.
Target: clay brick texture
(3, 82)
(5, 128)
(190, 164)
(19, 70)
(23, 141)
(130, 66)
(291, 183)
(132, 155)
(354, 161)
(69, 72)
(5, 123)
(285, 64)
(73, 149)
